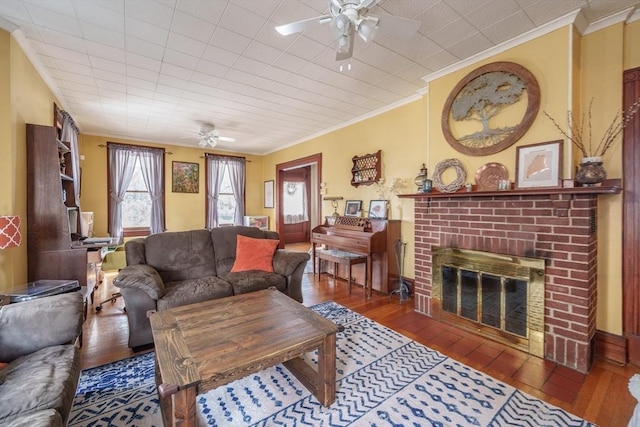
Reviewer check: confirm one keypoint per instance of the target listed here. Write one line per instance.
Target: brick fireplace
(559, 228)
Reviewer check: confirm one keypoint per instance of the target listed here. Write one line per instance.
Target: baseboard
(611, 348)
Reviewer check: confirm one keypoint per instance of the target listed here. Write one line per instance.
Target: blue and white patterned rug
(384, 379)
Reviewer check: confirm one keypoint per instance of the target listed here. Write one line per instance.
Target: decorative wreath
(457, 183)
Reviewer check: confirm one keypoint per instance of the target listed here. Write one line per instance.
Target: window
(294, 202)
(225, 190)
(226, 200)
(136, 190)
(136, 204)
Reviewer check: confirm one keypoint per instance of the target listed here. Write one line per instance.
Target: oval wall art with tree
(490, 108)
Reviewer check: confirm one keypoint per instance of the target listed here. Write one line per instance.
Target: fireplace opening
(496, 296)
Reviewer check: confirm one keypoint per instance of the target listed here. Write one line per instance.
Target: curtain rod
(136, 147)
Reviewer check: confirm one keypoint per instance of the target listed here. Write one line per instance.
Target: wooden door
(296, 231)
(631, 220)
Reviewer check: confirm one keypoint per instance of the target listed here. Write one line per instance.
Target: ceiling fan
(347, 17)
(210, 136)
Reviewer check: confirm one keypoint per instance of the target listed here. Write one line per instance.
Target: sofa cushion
(143, 277)
(254, 254)
(194, 290)
(251, 281)
(181, 255)
(46, 418)
(46, 379)
(225, 241)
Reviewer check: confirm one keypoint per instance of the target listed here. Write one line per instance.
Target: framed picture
(268, 194)
(378, 209)
(352, 208)
(184, 177)
(539, 165)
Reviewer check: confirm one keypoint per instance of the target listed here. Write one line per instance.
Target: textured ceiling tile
(68, 55)
(151, 12)
(144, 48)
(508, 28)
(186, 44)
(100, 15)
(180, 59)
(230, 41)
(144, 31)
(491, 12)
(208, 10)
(251, 23)
(144, 62)
(193, 27)
(55, 21)
(102, 35)
(261, 52)
(453, 33)
(63, 40)
(105, 64)
(474, 44)
(220, 55)
(103, 51)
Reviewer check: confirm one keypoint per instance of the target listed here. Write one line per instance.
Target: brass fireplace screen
(496, 296)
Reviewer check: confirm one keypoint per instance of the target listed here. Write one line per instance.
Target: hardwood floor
(601, 396)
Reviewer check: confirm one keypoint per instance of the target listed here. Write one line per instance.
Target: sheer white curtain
(216, 168)
(122, 162)
(150, 163)
(237, 175)
(294, 202)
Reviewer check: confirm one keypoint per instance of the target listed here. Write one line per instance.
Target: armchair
(37, 344)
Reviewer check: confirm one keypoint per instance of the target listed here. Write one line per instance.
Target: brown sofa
(176, 268)
(37, 340)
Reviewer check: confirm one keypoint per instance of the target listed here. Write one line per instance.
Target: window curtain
(151, 166)
(294, 202)
(215, 169)
(121, 165)
(122, 161)
(216, 166)
(70, 134)
(237, 175)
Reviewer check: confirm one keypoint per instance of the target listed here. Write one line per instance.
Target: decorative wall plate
(488, 175)
(482, 95)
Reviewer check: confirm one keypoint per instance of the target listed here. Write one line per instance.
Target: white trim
(607, 21)
(558, 23)
(635, 16)
(567, 163)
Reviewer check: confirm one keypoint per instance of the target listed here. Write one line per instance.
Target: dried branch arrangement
(577, 134)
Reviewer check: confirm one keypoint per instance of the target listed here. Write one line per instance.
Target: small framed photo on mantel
(539, 165)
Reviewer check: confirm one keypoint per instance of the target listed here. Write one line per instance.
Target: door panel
(299, 232)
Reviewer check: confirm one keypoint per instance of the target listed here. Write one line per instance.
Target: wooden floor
(601, 396)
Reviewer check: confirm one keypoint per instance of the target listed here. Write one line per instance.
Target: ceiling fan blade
(398, 27)
(225, 138)
(296, 27)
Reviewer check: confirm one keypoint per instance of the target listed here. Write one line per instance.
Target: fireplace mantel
(558, 225)
(610, 186)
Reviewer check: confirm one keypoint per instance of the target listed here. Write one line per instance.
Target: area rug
(384, 379)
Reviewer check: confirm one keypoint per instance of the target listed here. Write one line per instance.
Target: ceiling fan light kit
(348, 17)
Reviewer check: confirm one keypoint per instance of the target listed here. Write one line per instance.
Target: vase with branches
(591, 171)
(583, 140)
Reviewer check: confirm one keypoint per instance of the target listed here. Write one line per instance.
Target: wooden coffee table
(202, 346)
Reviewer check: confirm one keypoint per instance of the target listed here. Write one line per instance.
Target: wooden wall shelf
(610, 186)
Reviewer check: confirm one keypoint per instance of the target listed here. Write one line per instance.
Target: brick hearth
(559, 228)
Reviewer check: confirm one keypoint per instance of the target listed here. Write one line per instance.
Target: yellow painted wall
(24, 98)
(631, 50)
(184, 211)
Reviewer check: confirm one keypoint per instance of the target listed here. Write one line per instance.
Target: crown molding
(622, 16)
(635, 16)
(568, 19)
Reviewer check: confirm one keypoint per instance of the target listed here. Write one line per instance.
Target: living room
(571, 65)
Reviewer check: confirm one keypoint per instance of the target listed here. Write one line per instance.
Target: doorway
(297, 176)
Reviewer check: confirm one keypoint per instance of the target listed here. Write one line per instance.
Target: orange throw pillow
(254, 254)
